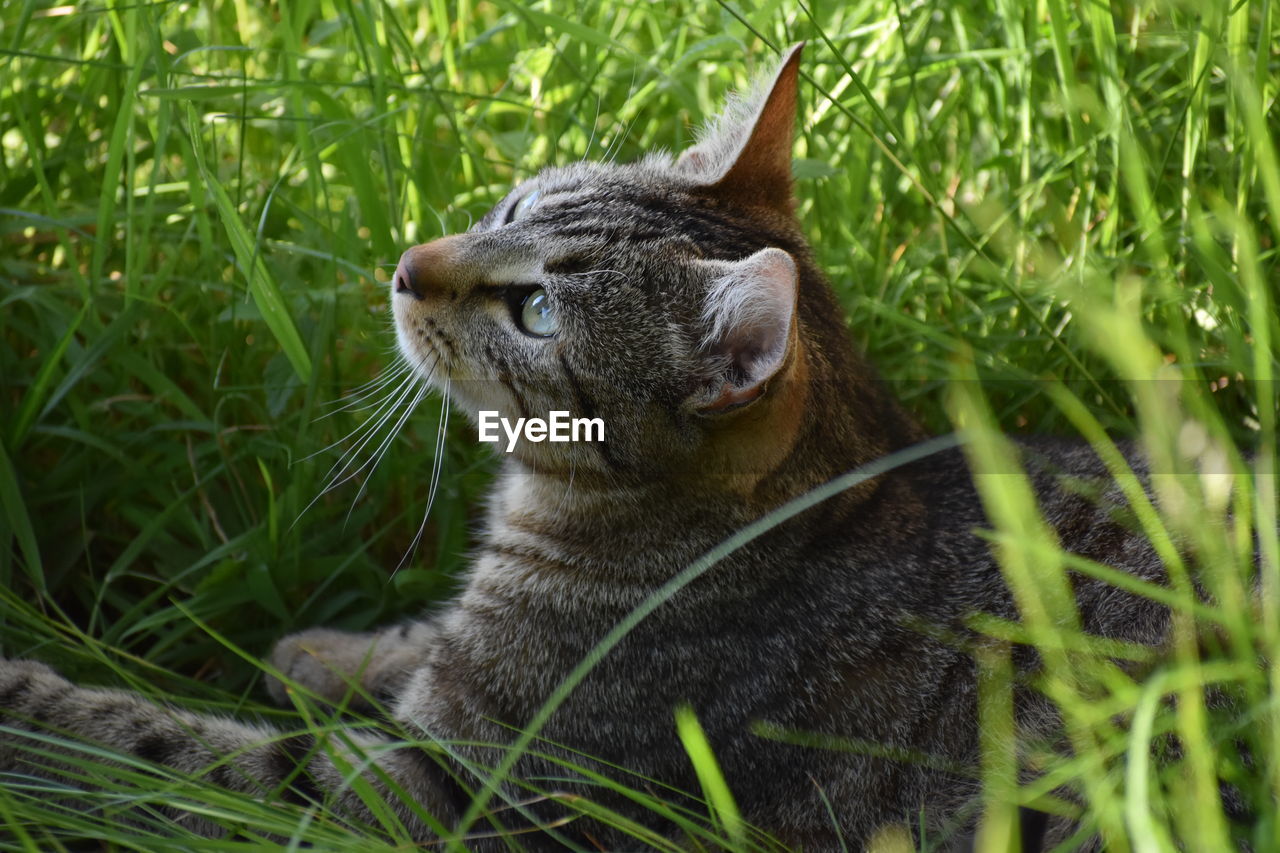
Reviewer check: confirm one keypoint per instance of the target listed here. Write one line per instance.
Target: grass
(1042, 217)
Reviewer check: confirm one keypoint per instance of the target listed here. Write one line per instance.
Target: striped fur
(848, 621)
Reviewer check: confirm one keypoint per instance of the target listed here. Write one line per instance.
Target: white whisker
(370, 434)
(368, 431)
(615, 145)
(389, 399)
(437, 465)
(595, 125)
(356, 400)
(386, 442)
(380, 379)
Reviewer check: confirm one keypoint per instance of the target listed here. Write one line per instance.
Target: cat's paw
(324, 661)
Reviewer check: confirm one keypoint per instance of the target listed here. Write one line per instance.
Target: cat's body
(849, 621)
(848, 624)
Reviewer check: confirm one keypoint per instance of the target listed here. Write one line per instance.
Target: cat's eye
(536, 315)
(523, 206)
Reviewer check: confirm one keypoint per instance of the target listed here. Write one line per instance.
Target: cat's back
(950, 552)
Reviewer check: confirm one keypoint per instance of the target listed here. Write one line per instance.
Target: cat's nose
(403, 281)
(427, 269)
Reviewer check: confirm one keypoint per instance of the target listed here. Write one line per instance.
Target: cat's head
(665, 297)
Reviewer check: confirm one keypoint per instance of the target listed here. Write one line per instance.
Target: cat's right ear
(749, 319)
(745, 154)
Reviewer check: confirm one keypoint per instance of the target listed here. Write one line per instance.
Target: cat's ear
(749, 319)
(746, 153)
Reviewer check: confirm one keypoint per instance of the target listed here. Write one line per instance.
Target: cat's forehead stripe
(647, 218)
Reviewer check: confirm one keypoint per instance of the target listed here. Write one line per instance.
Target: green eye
(524, 205)
(536, 315)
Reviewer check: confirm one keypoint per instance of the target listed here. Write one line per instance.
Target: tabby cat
(675, 299)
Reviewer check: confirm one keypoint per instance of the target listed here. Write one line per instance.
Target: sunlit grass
(1068, 214)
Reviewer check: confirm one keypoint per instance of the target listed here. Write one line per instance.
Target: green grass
(1042, 217)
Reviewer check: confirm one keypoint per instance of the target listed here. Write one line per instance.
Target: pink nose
(430, 269)
(403, 281)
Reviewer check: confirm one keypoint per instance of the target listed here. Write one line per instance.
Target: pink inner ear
(749, 309)
(766, 328)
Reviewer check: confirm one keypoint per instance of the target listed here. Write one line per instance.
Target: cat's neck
(609, 520)
(648, 528)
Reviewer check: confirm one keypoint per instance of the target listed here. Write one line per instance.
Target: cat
(676, 300)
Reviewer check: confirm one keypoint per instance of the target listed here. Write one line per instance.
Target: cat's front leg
(299, 767)
(352, 668)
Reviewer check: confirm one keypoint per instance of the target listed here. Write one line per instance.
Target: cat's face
(658, 296)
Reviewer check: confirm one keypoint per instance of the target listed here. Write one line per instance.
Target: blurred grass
(1077, 205)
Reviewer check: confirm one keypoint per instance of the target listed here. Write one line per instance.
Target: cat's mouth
(430, 350)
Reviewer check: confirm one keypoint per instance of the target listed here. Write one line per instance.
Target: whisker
(618, 141)
(377, 380)
(388, 399)
(595, 125)
(370, 429)
(593, 273)
(437, 466)
(438, 462)
(411, 381)
(615, 145)
(381, 451)
(356, 400)
(370, 434)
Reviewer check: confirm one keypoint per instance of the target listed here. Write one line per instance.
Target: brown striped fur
(847, 621)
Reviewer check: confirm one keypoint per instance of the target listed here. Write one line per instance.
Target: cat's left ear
(746, 153)
(750, 322)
